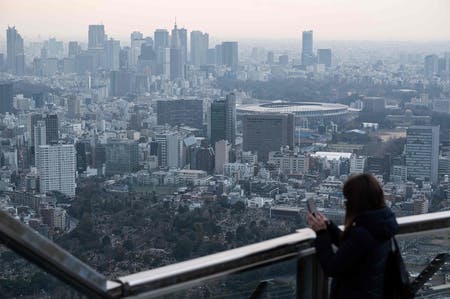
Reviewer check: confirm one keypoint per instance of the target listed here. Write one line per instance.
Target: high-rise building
(307, 48)
(120, 83)
(222, 155)
(230, 54)
(56, 168)
(218, 52)
(264, 133)
(222, 120)
(96, 37)
(137, 40)
(324, 57)
(52, 128)
(15, 51)
(121, 156)
(199, 48)
(73, 106)
(180, 112)
(202, 158)
(74, 49)
(431, 65)
(112, 53)
(182, 35)
(161, 38)
(422, 152)
(6, 98)
(176, 56)
(168, 150)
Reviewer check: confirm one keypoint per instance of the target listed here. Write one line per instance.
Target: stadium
(307, 114)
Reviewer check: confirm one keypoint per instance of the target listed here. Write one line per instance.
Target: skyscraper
(121, 156)
(52, 128)
(161, 37)
(230, 54)
(324, 57)
(112, 53)
(6, 98)
(137, 40)
(422, 152)
(56, 167)
(307, 48)
(178, 112)
(222, 155)
(182, 35)
(74, 49)
(199, 48)
(15, 51)
(176, 56)
(96, 37)
(267, 132)
(168, 150)
(222, 120)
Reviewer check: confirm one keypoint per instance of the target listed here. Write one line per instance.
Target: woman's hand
(318, 222)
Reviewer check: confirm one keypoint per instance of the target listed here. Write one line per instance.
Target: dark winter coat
(357, 267)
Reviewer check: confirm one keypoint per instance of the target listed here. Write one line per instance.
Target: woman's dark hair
(363, 193)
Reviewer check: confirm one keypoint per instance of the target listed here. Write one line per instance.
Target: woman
(357, 267)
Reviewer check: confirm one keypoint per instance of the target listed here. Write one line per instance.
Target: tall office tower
(73, 106)
(431, 64)
(168, 150)
(119, 83)
(222, 120)
(176, 56)
(264, 133)
(422, 152)
(32, 122)
(74, 49)
(161, 38)
(2, 62)
(324, 57)
(222, 155)
(124, 58)
(112, 53)
(121, 156)
(180, 112)
(55, 48)
(83, 154)
(39, 138)
(199, 48)
(56, 167)
(52, 128)
(15, 51)
(96, 37)
(219, 60)
(307, 48)
(6, 98)
(211, 56)
(137, 40)
(182, 35)
(202, 158)
(230, 54)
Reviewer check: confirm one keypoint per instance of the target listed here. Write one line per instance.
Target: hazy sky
(404, 20)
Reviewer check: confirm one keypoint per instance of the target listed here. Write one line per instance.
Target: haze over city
(403, 20)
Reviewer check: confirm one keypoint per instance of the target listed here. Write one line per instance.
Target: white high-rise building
(422, 152)
(168, 150)
(56, 167)
(222, 148)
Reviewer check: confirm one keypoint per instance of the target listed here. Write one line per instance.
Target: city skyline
(258, 19)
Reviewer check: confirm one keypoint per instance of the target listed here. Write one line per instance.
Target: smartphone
(311, 206)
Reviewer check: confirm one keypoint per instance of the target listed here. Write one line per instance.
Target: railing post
(311, 281)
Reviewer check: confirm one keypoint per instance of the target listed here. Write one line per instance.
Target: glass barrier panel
(276, 280)
(21, 279)
(419, 251)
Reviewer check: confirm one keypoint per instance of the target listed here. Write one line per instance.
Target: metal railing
(310, 281)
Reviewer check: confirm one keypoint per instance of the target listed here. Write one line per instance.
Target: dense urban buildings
(164, 145)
